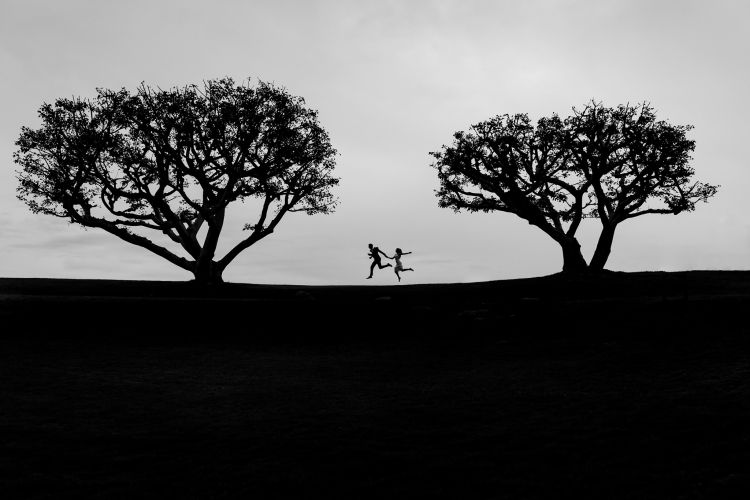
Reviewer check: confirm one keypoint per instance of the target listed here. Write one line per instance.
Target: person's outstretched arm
(385, 254)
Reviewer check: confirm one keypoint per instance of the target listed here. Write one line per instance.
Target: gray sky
(392, 81)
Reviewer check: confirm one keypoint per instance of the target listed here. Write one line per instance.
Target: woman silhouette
(399, 265)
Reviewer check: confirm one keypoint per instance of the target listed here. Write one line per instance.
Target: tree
(613, 164)
(171, 161)
(635, 164)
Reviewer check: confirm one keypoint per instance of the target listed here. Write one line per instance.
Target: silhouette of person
(375, 256)
(399, 265)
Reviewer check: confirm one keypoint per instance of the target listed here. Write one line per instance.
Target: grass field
(629, 385)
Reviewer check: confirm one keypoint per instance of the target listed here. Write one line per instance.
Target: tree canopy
(612, 164)
(171, 161)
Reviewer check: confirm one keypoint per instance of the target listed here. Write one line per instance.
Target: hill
(618, 386)
(558, 305)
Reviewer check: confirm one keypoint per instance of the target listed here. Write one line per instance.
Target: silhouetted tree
(612, 164)
(635, 164)
(173, 160)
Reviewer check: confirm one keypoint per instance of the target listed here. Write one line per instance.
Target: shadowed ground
(622, 386)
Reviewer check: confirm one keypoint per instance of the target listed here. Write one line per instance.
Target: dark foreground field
(621, 386)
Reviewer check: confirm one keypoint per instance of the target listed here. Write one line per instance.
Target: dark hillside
(611, 304)
(625, 385)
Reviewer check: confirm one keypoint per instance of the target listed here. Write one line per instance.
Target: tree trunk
(573, 261)
(603, 247)
(208, 272)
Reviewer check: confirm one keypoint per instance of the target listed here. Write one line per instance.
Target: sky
(392, 81)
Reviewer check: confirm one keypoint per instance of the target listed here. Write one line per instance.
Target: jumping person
(375, 256)
(399, 266)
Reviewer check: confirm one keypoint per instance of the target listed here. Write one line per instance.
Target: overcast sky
(392, 81)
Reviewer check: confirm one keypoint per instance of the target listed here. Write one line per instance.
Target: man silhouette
(375, 256)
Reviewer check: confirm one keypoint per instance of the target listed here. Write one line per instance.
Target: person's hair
(369, 244)
(398, 250)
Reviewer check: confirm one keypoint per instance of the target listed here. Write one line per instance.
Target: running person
(399, 265)
(375, 256)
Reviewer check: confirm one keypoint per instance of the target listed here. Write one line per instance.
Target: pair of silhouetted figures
(375, 254)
